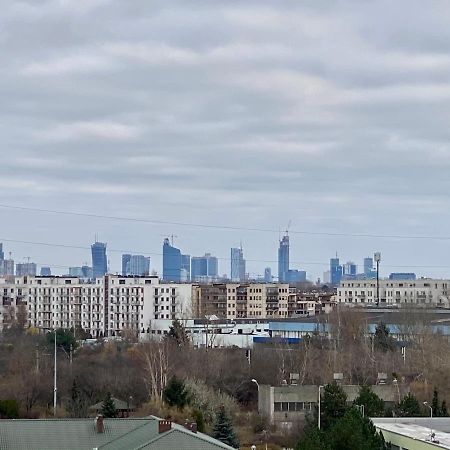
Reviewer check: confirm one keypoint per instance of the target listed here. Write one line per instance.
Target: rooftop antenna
(288, 226)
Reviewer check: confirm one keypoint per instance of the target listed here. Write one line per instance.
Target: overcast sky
(331, 114)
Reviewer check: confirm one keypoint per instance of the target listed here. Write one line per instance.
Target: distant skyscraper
(350, 270)
(46, 272)
(24, 269)
(295, 276)
(87, 272)
(2, 255)
(368, 266)
(186, 267)
(402, 276)
(171, 262)
(99, 259)
(125, 264)
(136, 265)
(335, 271)
(75, 272)
(283, 259)
(268, 275)
(237, 264)
(204, 267)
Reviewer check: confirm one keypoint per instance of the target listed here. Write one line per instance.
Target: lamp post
(395, 381)
(257, 385)
(318, 415)
(377, 258)
(431, 417)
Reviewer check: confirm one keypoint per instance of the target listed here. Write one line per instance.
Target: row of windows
(293, 406)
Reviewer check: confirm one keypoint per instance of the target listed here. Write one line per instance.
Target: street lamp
(257, 385)
(318, 415)
(395, 381)
(431, 417)
(377, 258)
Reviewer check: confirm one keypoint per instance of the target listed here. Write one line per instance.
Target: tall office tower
(171, 262)
(368, 266)
(203, 267)
(237, 264)
(268, 275)
(99, 259)
(24, 269)
(46, 272)
(8, 267)
(87, 272)
(185, 267)
(125, 264)
(350, 269)
(283, 259)
(2, 255)
(138, 265)
(335, 271)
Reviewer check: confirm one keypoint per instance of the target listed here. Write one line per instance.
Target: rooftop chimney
(99, 426)
(164, 425)
(191, 426)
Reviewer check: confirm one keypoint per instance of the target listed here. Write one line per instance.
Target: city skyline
(211, 111)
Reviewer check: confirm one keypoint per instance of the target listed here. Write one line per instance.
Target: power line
(225, 227)
(300, 263)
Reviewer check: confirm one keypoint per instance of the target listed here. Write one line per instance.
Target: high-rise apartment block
(237, 272)
(107, 307)
(99, 259)
(136, 265)
(283, 259)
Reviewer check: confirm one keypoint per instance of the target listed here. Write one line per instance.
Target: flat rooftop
(418, 428)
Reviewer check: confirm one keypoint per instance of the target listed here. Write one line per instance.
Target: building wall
(424, 291)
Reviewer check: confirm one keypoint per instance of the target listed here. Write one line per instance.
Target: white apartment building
(109, 306)
(424, 291)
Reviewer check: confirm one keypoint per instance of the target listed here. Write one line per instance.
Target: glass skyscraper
(237, 265)
(137, 265)
(186, 267)
(99, 259)
(171, 262)
(283, 259)
(335, 271)
(204, 267)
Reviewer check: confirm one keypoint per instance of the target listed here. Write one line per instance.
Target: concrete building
(287, 404)
(424, 291)
(108, 307)
(402, 276)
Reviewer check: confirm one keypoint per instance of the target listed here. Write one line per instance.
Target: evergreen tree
(178, 334)
(9, 409)
(223, 429)
(444, 412)
(109, 408)
(199, 420)
(314, 439)
(408, 407)
(333, 404)
(382, 341)
(373, 405)
(175, 393)
(64, 339)
(435, 404)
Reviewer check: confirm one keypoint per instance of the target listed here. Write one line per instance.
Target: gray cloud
(332, 114)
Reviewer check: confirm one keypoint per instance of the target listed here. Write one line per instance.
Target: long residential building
(423, 291)
(111, 305)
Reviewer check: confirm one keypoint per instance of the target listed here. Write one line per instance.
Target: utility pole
(37, 360)
(55, 389)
